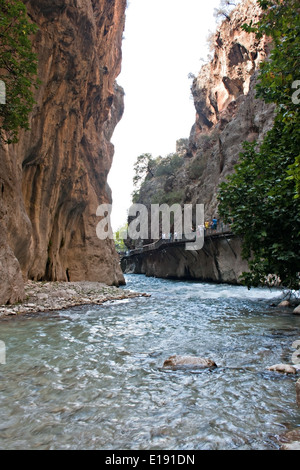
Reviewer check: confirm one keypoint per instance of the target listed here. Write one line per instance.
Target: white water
(92, 378)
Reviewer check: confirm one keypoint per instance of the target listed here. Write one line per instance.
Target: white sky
(164, 42)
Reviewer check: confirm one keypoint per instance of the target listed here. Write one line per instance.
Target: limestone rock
(49, 296)
(296, 311)
(227, 111)
(227, 114)
(188, 361)
(283, 368)
(291, 446)
(284, 303)
(42, 296)
(53, 180)
(227, 76)
(11, 280)
(224, 263)
(290, 440)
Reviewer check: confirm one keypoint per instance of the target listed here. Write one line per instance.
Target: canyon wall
(219, 261)
(227, 111)
(55, 177)
(227, 114)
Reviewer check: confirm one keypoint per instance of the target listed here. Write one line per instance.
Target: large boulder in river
(284, 303)
(194, 362)
(296, 311)
(283, 368)
(290, 440)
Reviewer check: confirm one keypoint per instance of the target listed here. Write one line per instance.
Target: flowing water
(92, 377)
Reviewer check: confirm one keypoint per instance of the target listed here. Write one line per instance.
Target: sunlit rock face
(227, 111)
(54, 179)
(237, 55)
(227, 114)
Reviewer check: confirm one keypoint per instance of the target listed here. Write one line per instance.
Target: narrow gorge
(147, 346)
(227, 114)
(55, 177)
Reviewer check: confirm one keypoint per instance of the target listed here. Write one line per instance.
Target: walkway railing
(222, 229)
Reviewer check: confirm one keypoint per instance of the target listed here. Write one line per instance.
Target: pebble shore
(51, 296)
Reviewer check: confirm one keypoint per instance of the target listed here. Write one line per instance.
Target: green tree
(119, 238)
(144, 168)
(168, 165)
(260, 198)
(281, 22)
(18, 68)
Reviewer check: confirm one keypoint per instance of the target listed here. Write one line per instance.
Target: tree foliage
(260, 198)
(18, 68)
(143, 167)
(147, 167)
(119, 236)
(281, 22)
(168, 165)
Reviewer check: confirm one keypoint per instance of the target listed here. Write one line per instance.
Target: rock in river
(194, 362)
(283, 368)
(296, 311)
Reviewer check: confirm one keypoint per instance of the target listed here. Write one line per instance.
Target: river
(92, 377)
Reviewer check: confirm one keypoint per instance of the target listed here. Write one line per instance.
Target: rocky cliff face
(219, 261)
(53, 180)
(227, 114)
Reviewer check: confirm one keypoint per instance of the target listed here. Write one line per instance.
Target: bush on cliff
(18, 69)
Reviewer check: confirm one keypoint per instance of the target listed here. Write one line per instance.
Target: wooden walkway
(223, 231)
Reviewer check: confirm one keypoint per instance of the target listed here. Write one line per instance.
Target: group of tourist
(213, 225)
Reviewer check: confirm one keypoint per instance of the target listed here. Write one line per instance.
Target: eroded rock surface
(53, 180)
(283, 368)
(227, 111)
(189, 362)
(291, 440)
(227, 114)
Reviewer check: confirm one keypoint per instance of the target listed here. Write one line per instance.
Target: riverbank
(51, 296)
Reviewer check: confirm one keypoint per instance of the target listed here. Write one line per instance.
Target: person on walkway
(214, 223)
